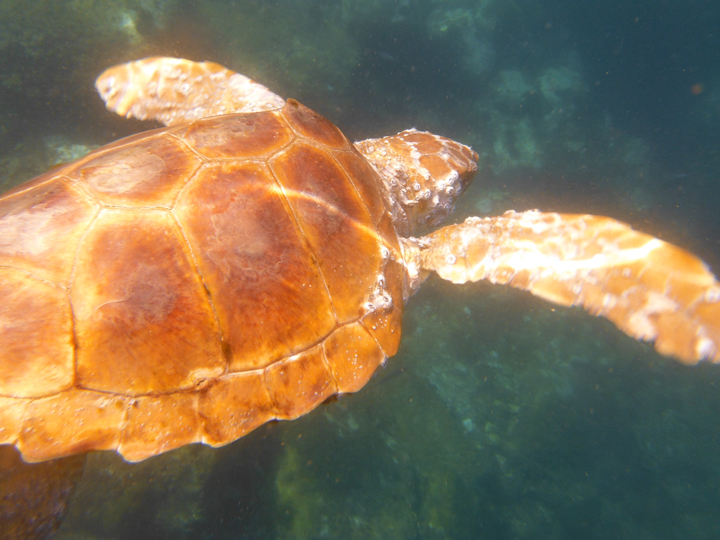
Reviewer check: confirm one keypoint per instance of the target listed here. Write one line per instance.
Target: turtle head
(423, 175)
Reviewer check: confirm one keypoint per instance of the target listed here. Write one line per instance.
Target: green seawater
(501, 417)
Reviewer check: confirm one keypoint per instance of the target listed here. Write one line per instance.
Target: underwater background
(502, 417)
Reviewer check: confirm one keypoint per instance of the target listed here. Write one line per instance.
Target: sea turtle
(247, 262)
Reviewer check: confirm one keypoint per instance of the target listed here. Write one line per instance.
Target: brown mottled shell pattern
(191, 283)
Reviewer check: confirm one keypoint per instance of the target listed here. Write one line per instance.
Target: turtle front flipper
(650, 289)
(175, 90)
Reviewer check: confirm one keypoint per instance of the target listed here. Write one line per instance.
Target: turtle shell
(191, 283)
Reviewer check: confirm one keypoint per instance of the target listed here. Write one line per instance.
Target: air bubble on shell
(384, 301)
(379, 301)
(416, 186)
(384, 252)
(450, 259)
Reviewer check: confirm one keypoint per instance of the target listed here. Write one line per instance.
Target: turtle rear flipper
(650, 289)
(34, 496)
(175, 90)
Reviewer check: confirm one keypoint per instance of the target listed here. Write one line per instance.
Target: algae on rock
(374, 466)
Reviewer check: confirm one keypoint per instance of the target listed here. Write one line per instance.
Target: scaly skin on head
(423, 174)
